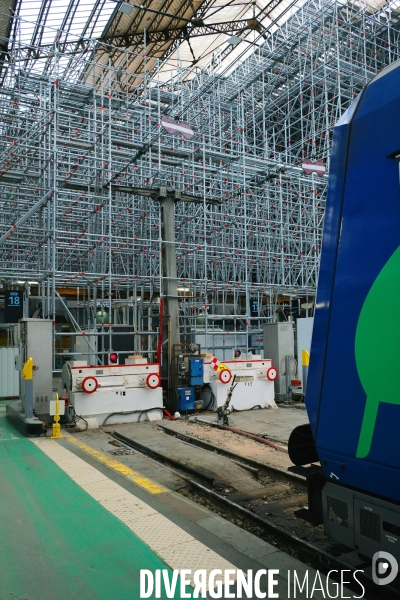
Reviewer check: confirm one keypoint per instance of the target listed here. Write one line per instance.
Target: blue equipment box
(196, 371)
(196, 367)
(185, 397)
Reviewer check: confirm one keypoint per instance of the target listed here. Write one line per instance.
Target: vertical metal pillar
(170, 286)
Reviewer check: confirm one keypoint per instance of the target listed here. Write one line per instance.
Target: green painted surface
(56, 541)
(377, 348)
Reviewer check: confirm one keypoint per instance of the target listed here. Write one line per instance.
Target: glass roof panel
(29, 14)
(75, 17)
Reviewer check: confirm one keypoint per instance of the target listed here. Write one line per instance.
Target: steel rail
(243, 461)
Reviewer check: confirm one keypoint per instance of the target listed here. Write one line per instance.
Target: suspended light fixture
(234, 40)
(126, 8)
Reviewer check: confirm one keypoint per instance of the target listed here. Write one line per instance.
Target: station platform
(78, 524)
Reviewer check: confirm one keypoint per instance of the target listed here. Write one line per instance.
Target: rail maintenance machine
(353, 392)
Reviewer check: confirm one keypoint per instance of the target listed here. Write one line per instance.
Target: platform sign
(254, 307)
(13, 306)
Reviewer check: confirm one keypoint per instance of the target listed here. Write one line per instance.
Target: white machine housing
(96, 392)
(279, 343)
(36, 336)
(255, 388)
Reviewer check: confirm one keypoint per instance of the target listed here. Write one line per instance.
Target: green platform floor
(56, 541)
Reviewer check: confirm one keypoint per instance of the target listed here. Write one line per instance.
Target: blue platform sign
(13, 306)
(254, 307)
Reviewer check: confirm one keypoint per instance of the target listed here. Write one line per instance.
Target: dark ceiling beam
(160, 45)
(179, 36)
(189, 31)
(139, 24)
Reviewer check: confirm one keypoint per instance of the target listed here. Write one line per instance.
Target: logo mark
(384, 568)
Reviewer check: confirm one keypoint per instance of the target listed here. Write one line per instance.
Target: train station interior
(199, 270)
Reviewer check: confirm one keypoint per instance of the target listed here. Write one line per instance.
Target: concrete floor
(78, 521)
(57, 541)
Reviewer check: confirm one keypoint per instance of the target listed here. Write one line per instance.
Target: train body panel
(353, 396)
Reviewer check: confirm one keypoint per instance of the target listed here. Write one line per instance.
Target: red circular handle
(225, 376)
(90, 385)
(153, 381)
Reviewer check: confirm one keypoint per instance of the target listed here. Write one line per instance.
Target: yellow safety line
(144, 482)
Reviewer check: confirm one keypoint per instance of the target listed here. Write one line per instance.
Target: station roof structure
(198, 33)
(189, 30)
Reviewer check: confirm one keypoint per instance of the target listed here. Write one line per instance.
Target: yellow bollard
(27, 374)
(27, 371)
(305, 358)
(56, 424)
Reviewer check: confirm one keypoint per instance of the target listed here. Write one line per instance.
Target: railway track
(250, 463)
(269, 515)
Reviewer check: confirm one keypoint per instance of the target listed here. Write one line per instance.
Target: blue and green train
(353, 391)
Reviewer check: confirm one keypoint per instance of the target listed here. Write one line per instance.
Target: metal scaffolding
(84, 160)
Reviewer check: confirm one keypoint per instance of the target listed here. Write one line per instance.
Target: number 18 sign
(13, 306)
